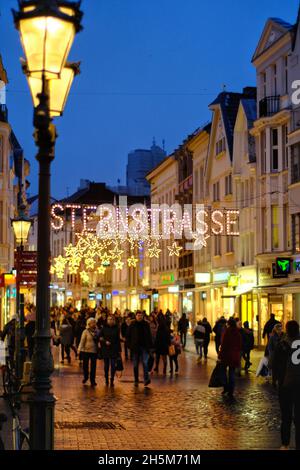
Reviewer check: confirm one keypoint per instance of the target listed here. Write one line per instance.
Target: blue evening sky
(149, 68)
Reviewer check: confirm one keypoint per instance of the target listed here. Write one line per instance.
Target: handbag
(56, 340)
(119, 364)
(218, 378)
(172, 350)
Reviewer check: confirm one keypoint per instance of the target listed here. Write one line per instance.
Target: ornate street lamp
(21, 226)
(58, 88)
(47, 29)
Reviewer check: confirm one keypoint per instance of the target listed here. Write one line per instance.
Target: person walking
(111, 348)
(140, 342)
(79, 329)
(230, 355)
(173, 358)
(29, 331)
(274, 339)
(183, 326)
(88, 349)
(208, 331)
(162, 343)
(66, 339)
(218, 329)
(153, 329)
(199, 336)
(247, 344)
(124, 329)
(268, 328)
(286, 371)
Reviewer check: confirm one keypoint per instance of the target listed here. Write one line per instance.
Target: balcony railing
(269, 105)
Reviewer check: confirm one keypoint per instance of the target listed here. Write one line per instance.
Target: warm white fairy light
(174, 249)
(230, 222)
(214, 217)
(60, 221)
(119, 264)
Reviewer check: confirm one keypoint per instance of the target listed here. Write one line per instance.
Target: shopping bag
(217, 378)
(2, 353)
(172, 350)
(262, 369)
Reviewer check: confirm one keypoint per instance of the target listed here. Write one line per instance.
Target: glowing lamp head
(47, 29)
(21, 227)
(58, 88)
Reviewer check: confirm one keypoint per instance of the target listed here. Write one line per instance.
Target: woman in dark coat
(230, 354)
(162, 343)
(111, 348)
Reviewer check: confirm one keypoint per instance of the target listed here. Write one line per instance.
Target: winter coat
(283, 370)
(219, 328)
(199, 333)
(268, 328)
(247, 339)
(208, 331)
(162, 340)
(139, 336)
(111, 334)
(66, 335)
(183, 325)
(89, 341)
(272, 344)
(231, 347)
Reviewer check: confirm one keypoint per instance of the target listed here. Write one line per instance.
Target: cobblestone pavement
(173, 413)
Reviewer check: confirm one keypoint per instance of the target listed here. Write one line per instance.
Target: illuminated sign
(202, 278)
(115, 292)
(233, 280)
(282, 267)
(167, 278)
(108, 296)
(297, 266)
(173, 289)
(99, 296)
(221, 277)
(143, 296)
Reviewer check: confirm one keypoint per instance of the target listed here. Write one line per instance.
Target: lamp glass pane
(21, 230)
(59, 91)
(46, 42)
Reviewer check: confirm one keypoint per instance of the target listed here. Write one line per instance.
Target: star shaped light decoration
(200, 241)
(105, 258)
(89, 263)
(119, 264)
(101, 269)
(84, 276)
(116, 252)
(174, 249)
(153, 252)
(132, 261)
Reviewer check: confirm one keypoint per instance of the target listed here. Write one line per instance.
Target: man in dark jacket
(248, 344)
(208, 332)
(268, 328)
(286, 371)
(139, 341)
(183, 326)
(218, 329)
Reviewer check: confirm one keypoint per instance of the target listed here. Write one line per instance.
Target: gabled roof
(279, 27)
(250, 108)
(229, 105)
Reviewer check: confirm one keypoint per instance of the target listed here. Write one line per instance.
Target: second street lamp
(47, 29)
(21, 226)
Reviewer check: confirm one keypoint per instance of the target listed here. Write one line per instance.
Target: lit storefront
(119, 300)
(8, 297)
(223, 295)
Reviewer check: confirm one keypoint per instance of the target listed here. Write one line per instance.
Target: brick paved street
(173, 413)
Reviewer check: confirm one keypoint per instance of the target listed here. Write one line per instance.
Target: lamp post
(47, 29)
(21, 226)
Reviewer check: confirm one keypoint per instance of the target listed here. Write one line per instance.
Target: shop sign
(108, 296)
(297, 266)
(115, 292)
(282, 267)
(173, 289)
(69, 293)
(92, 295)
(143, 296)
(265, 273)
(9, 279)
(168, 278)
(233, 280)
(99, 296)
(221, 277)
(202, 278)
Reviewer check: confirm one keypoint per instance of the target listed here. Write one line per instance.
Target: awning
(292, 287)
